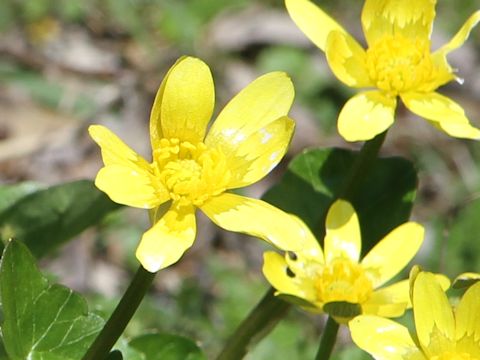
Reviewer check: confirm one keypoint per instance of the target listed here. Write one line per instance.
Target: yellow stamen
(343, 280)
(191, 172)
(397, 64)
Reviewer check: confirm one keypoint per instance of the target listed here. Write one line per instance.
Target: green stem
(121, 316)
(329, 338)
(365, 160)
(261, 320)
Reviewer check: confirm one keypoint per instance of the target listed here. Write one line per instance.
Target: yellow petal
(467, 315)
(276, 271)
(184, 102)
(114, 150)
(393, 252)
(465, 280)
(461, 36)
(127, 178)
(310, 253)
(347, 59)
(156, 133)
(343, 238)
(391, 301)
(257, 218)
(410, 18)
(313, 21)
(255, 156)
(366, 115)
(447, 114)
(263, 101)
(129, 185)
(433, 314)
(168, 239)
(383, 339)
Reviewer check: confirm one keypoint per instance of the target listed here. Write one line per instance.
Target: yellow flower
(443, 332)
(397, 62)
(190, 169)
(336, 281)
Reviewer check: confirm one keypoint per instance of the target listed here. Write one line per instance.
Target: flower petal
(255, 156)
(313, 21)
(433, 314)
(461, 36)
(343, 238)
(393, 252)
(384, 339)
(391, 301)
(366, 115)
(467, 315)
(114, 150)
(168, 239)
(276, 271)
(184, 102)
(311, 252)
(465, 280)
(137, 187)
(263, 101)
(130, 186)
(444, 112)
(410, 18)
(347, 59)
(257, 218)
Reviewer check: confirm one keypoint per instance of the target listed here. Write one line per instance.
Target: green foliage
(41, 321)
(462, 250)
(10, 194)
(47, 218)
(158, 346)
(166, 347)
(183, 21)
(383, 198)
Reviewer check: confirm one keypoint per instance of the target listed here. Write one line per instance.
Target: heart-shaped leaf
(47, 218)
(41, 321)
(383, 197)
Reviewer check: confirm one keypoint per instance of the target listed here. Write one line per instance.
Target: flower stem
(329, 338)
(261, 320)
(366, 158)
(121, 316)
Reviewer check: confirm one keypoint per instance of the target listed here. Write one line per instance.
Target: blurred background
(67, 64)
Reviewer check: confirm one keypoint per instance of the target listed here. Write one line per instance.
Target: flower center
(343, 280)
(397, 64)
(453, 356)
(191, 172)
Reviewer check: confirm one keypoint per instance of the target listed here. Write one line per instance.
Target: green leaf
(166, 347)
(41, 321)
(47, 218)
(10, 194)
(383, 197)
(462, 246)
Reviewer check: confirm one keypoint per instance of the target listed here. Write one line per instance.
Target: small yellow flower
(190, 169)
(397, 62)
(334, 280)
(443, 332)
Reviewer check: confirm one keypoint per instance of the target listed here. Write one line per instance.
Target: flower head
(443, 332)
(335, 280)
(397, 63)
(190, 169)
